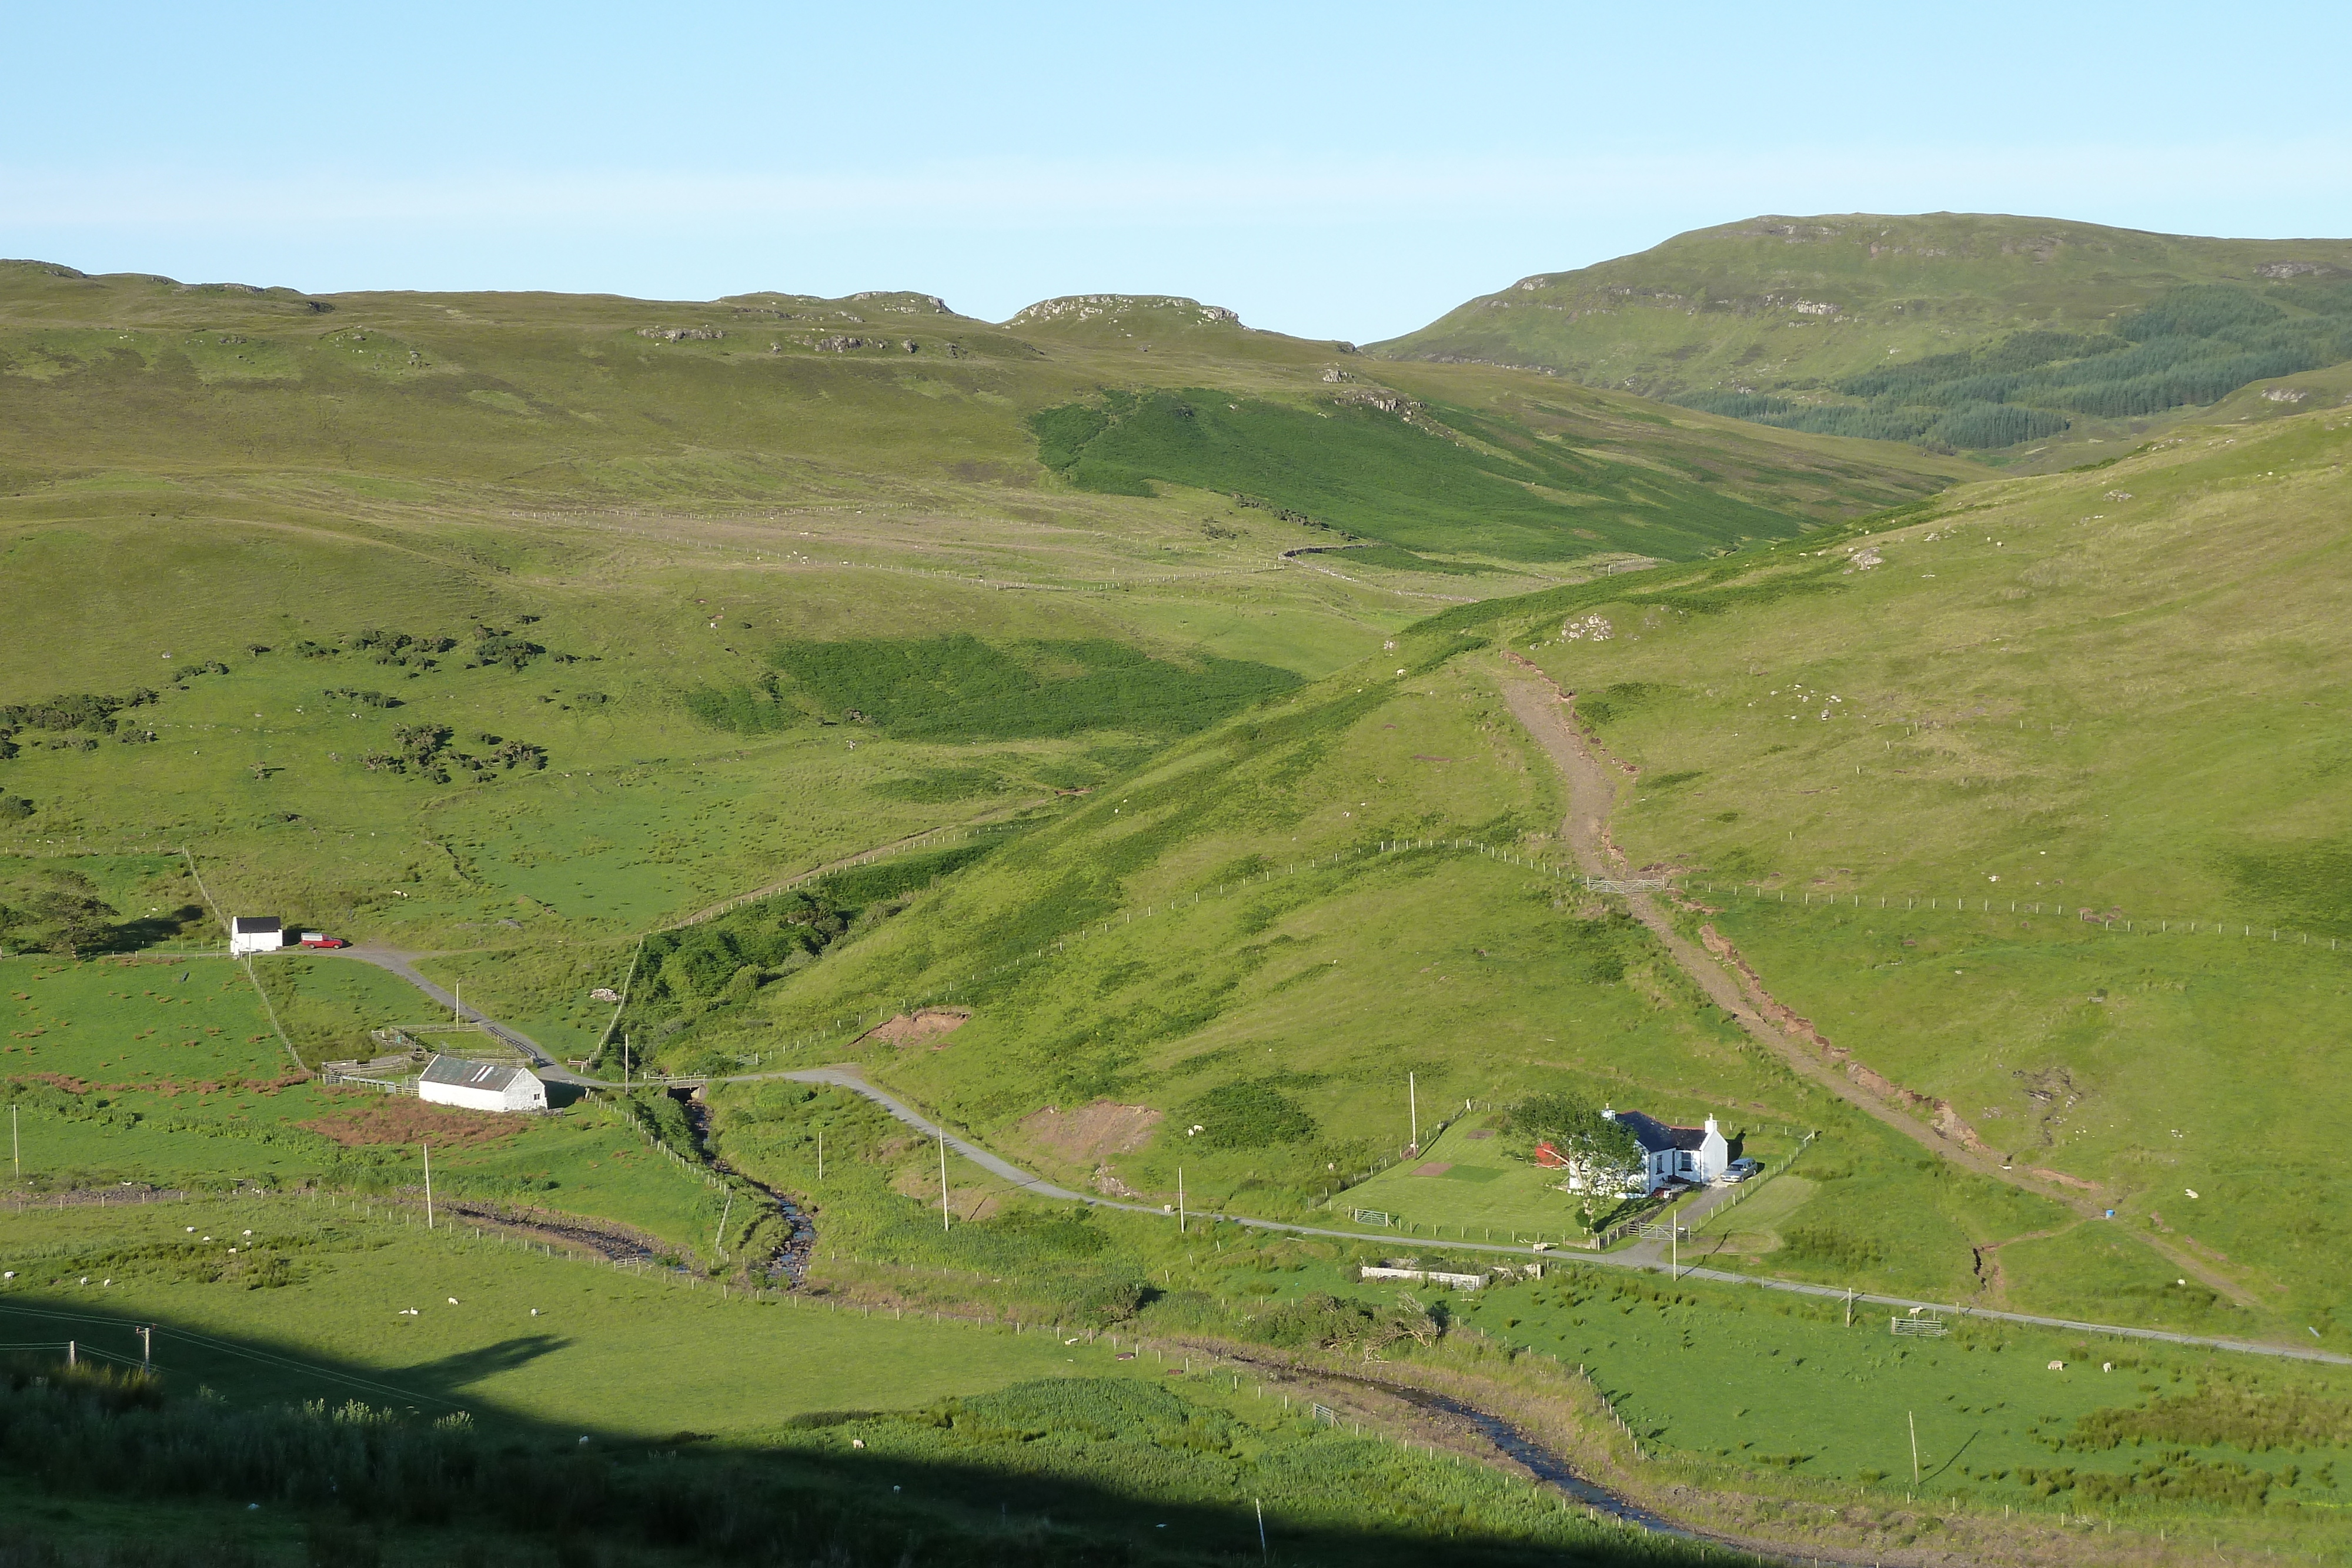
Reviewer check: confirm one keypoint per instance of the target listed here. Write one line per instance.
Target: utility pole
(1180, 1200)
(624, 1062)
(1674, 1252)
(1412, 1109)
(725, 1210)
(15, 1149)
(1849, 1306)
(146, 1347)
(943, 1181)
(820, 1153)
(428, 1186)
(1913, 1420)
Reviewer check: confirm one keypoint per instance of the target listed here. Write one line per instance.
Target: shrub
(1247, 1116)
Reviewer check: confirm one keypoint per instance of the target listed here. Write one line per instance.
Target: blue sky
(1333, 170)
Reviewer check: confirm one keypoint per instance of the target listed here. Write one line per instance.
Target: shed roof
(462, 1073)
(253, 925)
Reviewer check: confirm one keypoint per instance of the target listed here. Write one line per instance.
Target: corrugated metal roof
(461, 1074)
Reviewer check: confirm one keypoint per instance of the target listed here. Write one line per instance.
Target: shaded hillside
(1956, 331)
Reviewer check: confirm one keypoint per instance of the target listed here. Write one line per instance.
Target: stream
(789, 1267)
(1546, 1466)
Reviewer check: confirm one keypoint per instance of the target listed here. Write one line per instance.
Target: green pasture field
(997, 1428)
(611, 1351)
(1724, 1379)
(120, 1071)
(125, 1022)
(327, 1004)
(2156, 1064)
(1736, 1375)
(579, 1163)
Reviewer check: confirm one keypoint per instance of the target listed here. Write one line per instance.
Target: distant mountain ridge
(1798, 321)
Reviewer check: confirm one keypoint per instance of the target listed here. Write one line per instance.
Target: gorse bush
(958, 688)
(1839, 1248)
(751, 708)
(1247, 1116)
(683, 974)
(2221, 1414)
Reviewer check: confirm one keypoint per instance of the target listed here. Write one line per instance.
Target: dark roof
(1655, 1137)
(457, 1070)
(248, 925)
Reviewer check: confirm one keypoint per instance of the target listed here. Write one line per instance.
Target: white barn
(480, 1085)
(254, 934)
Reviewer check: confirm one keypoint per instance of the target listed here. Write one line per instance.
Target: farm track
(1591, 795)
(1546, 713)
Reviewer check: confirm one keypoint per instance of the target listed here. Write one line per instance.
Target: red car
(320, 939)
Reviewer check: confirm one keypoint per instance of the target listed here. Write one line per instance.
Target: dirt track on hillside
(1547, 714)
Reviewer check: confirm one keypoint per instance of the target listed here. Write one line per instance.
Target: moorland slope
(1959, 330)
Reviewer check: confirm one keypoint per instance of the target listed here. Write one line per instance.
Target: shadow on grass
(1094, 1472)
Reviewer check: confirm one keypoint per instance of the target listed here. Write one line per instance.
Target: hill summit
(1953, 329)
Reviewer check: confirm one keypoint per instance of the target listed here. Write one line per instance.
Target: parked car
(320, 939)
(1741, 1169)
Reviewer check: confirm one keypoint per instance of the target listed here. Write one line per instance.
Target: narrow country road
(1545, 712)
(393, 960)
(1638, 1259)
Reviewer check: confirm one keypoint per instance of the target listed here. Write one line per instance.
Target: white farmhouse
(254, 934)
(1699, 1155)
(480, 1085)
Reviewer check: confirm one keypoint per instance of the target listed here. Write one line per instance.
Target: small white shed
(480, 1085)
(254, 934)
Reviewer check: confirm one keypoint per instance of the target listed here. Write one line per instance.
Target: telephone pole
(428, 1186)
(943, 1181)
(1412, 1109)
(1180, 1200)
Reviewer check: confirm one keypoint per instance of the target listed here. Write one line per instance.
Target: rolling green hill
(2097, 709)
(1954, 330)
(1124, 736)
(554, 609)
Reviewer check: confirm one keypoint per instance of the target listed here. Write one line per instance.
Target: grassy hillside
(1954, 330)
(457, 617)
(2044, 774)
(1165, 661)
